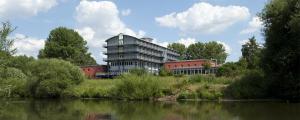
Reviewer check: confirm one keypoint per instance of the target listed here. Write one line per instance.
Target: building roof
(195, 60)
(141, 39)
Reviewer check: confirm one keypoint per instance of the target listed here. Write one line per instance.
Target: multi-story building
(125, 52)
(199, 66)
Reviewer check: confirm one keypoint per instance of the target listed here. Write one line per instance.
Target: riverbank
(158, 88)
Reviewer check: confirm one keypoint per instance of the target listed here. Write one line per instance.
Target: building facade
(192, 66)
(126, 52)
(94, 71)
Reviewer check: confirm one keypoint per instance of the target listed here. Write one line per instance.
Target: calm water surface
(132, 110)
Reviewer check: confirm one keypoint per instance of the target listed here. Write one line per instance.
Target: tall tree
(251, 52)
(214, 50)
(6, 43)
(67, 44)
(281, 57)
(210, 50)
(180, 48)
(196, 51)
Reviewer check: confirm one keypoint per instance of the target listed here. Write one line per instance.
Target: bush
(133, 86)
(250, 86)
(164, 72)
(210, 79)
(230, 69)
(138, 71)
(49, 77)
(12, 82)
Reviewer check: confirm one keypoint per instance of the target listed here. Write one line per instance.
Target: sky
(229, 22)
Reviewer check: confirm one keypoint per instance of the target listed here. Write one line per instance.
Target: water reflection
(133, 110)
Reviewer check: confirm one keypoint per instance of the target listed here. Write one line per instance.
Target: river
(145, 110)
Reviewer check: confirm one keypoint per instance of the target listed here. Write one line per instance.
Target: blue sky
(230, 22)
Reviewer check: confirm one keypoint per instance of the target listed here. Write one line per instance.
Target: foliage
(6, 43)
(196, 51)
(281, 56)
(133, 86)
(138, 71)
(49, 77)
(252, 53)
(20, 62)
(12, 82)
(164, 72)
(250, 86)
(180, 48)
(210, 50)
(209, 79)
(230, 69)
(67, 44)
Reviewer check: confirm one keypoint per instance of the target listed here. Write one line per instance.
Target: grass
(151, 87)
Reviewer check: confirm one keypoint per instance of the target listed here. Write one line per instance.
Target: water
(133, 110)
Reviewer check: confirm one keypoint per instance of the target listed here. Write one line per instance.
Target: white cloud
(125, 12)
(254, 25)
(99, 20)
(204, 18)
(28, 45)
(24, 8)
(164, 44)
(242, 42)
(227, 47)
(187, 41)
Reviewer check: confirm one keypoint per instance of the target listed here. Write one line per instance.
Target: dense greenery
(199, 50)
(50, 77)
(281, 56)
(67, 44)
(251, 52)
(210, 50)
(180, 48)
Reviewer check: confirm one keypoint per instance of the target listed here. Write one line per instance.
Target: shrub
(230, 69)
(131, 86)
(210, 79)
(164, 72)
(49, 77)
(12, 82)
(210, 92)
(138, 71)
(251, 85)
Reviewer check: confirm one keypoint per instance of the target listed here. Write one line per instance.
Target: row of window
(183, 65)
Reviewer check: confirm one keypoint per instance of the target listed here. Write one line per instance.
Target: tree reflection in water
(142, 110)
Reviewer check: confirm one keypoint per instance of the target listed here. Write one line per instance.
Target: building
(125, 52)
(192, 66)
(94, 71)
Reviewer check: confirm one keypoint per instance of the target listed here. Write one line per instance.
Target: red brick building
(191, 66)
(94, 71)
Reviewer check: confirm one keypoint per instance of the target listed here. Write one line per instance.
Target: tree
(215, 50)
(180, 48)
(67, 44)
(210, 50)
(281, 56)
(252, 53)
(6, 43)
(196, 51)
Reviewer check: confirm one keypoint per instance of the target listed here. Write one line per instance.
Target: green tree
(50, 77)
(281, 56)
(215, 50)
(180, 48)
(210, 50)
(67, 44)
(6, 43)
(251, 51)
(196, 51)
